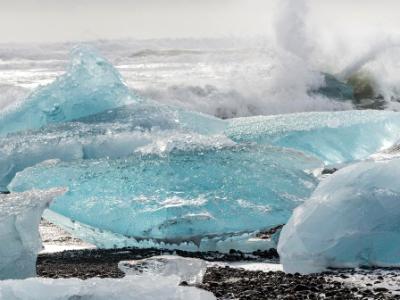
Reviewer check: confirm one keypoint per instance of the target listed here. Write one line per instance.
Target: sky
(72, 20)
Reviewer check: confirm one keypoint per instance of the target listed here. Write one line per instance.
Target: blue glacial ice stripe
(183, 196)
(333, 137)
(351, 220)
(90, 85)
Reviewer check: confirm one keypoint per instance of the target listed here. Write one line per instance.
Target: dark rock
(328, 171)
(380, 289)
(335, 89)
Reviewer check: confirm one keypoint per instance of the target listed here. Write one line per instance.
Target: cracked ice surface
(351, 220)
(20, 215)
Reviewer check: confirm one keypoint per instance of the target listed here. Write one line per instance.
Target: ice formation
(190, 270)
(333, 137)
(90, 85)
(128, 288)
(20, 215)
(115, 133)
(351, 220)
(185, 195)
(143, 174)
(93, 96)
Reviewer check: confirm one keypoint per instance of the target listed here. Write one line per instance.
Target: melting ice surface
(182, 196)
(20, 215)
(351, 220)
(140, 171)
(114, 133)
(127, 288)
(333, 137)
(90, 85)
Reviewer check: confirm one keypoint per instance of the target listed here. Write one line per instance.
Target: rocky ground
(231, 283)
(225, 277)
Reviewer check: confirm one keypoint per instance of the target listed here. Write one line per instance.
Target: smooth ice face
(127, 288)
(333, 137)
(20, 215)
(351, 220)
(182, 196)
(90, 85)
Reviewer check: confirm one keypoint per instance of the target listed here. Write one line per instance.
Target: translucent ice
(190, 270)
(93, 95)
(142, 173)
(20, 215)
(115, 133)
(334, 137)
(90, 85)
(128, 288)
(351, 220)
(183, 196)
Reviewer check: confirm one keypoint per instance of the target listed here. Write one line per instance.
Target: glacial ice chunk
(190, 270)
(20, 215)
(127, 288)
(90, 85)
(351, 220)
(121, 138)
(333, 137)
(91, 97)
(182, 196)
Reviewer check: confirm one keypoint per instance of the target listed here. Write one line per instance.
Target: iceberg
(351, 220)
(140, 173)
(127, 288)
(333, 137)
(90, 85)
(20, 214)
(88, 113)
(116, 133)
(184, 196)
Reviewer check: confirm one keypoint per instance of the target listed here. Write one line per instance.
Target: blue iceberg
(186, 195)
(142, 173)
(351, 220)
(114, 133)
(90, 85)
(88, 113)
(333, 137)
